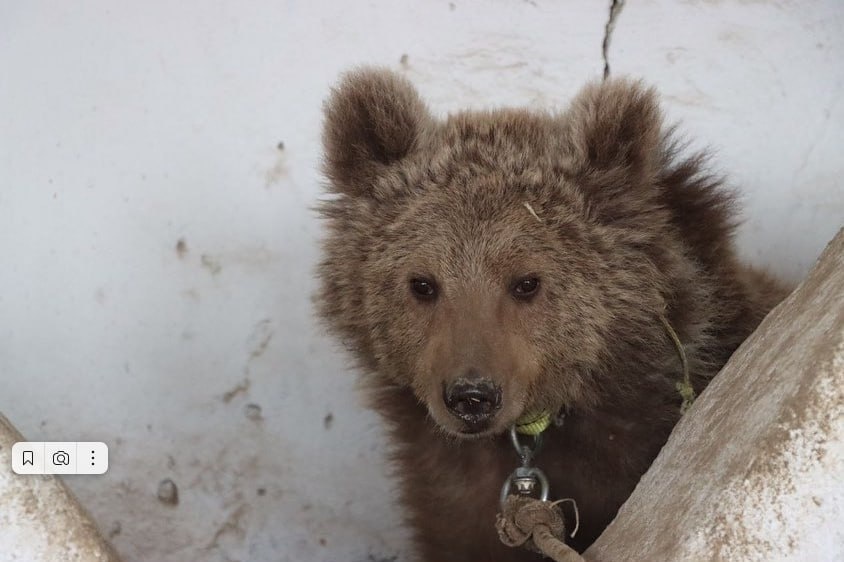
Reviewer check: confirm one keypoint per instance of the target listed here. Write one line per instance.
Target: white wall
(127, 127)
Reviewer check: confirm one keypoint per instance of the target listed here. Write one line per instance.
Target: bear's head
(496, 262)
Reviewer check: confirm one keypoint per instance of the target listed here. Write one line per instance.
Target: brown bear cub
(496, 263)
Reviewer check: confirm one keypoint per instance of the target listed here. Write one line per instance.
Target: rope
(537, 525)
(684, 387)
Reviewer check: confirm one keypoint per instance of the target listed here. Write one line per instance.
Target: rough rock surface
(40, 519)
(755, 470)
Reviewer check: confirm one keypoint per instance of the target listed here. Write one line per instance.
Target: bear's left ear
(373, 118)
(615, 127)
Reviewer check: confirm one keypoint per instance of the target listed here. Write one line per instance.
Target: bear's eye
(423, 289)
(525, 288)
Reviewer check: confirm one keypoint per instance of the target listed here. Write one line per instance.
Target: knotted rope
(537, 525)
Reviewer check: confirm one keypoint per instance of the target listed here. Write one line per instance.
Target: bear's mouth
(474, 408)
(472, 434)
(474, 431)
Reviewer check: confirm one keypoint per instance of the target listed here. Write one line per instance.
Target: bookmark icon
(28, 458)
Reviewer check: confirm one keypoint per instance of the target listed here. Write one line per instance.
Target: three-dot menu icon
(92, 458)
(67, 457)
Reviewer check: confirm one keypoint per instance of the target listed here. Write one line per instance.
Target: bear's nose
(473, 401)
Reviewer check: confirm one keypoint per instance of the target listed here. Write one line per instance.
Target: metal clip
(525, 452)
(525, 478)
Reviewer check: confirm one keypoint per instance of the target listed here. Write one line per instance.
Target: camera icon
(61, 458)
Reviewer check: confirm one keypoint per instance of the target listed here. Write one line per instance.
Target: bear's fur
(618, 229)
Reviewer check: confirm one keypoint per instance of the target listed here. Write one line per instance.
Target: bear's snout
(473, 401)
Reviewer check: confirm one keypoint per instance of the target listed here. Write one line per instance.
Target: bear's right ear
(372, 119)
